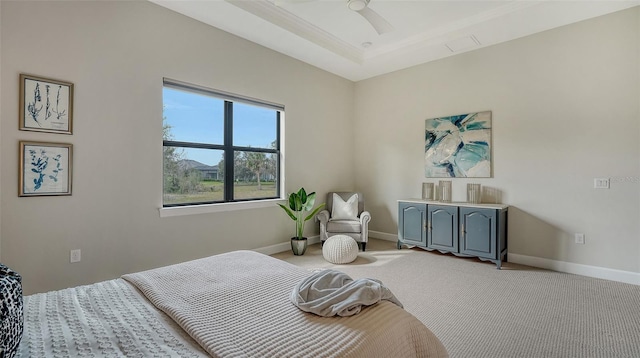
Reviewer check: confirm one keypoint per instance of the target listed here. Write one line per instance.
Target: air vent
(463, 44)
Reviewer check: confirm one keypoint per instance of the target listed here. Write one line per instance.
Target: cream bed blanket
(237, 305)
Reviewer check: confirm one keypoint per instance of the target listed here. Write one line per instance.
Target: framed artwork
(45, 168)
(458, 146)
(46, 105)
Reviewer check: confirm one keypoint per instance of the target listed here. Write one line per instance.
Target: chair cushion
(340, 249)
(11, 315)
(344, 210)
(344, 226)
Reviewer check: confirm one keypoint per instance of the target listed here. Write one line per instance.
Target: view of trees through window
(201, 132)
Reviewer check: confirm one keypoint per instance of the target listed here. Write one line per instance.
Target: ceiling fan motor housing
(357, 5)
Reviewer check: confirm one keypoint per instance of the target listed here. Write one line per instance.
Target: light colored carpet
(519, 311)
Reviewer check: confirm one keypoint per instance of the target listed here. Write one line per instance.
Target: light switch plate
(75, 256)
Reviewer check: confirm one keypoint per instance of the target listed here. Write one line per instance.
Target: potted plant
(299, 203)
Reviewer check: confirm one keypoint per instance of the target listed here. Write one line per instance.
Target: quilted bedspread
(105, 319)
(237, 305)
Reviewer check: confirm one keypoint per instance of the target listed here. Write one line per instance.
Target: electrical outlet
(579, 238)
(75, 256)
(601, 183)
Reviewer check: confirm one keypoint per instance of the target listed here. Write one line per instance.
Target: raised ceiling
(328, 35)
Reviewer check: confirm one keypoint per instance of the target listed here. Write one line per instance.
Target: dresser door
(442, 227)
(411, 223)
(478, 232)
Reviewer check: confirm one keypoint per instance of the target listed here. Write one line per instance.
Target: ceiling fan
(361, 7)
(378, 22)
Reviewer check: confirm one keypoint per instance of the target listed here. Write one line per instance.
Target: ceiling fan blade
(378, 22)
(283, 2)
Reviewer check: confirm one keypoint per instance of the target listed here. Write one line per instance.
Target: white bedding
(106, 319)
(329, 293)
(232, 305)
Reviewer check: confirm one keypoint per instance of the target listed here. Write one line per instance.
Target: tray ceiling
(328, 35)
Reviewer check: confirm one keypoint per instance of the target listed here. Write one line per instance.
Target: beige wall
(116, 54)
(565, 111)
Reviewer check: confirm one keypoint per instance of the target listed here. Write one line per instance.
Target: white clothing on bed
(330, 293)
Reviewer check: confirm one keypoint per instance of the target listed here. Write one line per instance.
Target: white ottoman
(340, 249)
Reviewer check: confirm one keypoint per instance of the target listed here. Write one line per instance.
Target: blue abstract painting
(458, 146)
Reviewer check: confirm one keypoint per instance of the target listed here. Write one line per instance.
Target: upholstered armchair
(345, 215)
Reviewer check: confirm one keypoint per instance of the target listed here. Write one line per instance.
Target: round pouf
(340, 249)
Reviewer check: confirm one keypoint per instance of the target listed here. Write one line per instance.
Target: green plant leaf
(293, 198)
(298, 202)
(303, 196)
(311, 199)
(289, 212)
(314, 212)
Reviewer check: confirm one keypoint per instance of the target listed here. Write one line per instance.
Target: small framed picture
(46, 105)
(45, 168)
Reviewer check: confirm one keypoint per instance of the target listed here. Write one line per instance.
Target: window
(218, 147)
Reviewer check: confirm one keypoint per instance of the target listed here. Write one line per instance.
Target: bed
(229, 305)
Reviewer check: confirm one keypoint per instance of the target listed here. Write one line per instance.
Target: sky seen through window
(199, 118)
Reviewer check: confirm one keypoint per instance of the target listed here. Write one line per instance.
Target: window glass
(194, 117)
(192, 175)
(255, 175)
(254, 126)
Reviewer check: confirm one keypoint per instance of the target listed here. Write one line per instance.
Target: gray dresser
(463, 229)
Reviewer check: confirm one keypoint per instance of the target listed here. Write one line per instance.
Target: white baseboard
(383, 236)
(578, 269)
(274, 249)
(561, 266)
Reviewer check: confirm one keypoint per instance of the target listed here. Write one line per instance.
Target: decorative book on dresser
(463, 229)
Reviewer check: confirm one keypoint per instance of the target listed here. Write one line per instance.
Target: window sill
(215, 208)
